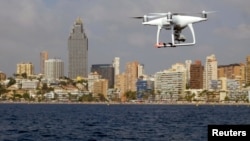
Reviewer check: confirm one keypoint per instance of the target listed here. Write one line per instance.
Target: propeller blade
(208, 12)
(163, 14)
(160, 14)
(179, 13)
(183, 13)
(139, 17)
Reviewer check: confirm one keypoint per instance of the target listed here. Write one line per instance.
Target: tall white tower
(210, 72)
(116, 65)
(188, 64)
(140, 70)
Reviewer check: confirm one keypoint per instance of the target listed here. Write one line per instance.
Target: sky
(28, 27)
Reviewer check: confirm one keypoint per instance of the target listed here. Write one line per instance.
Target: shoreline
(126, 103)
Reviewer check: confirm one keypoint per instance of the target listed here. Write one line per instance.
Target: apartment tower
(210, 72)
(54, 69)
(233, 71)
(131, 75)
(196, 75)
(27, 68)
(116, 65)
(248, 70)
(188, 64)
(43, 57)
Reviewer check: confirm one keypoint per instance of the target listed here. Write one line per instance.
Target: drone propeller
(164, 14)
(183, 13)
(160, 14)
(145, 16)
(153, 15)
(207, 12)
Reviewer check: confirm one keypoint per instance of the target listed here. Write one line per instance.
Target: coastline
(129, 103)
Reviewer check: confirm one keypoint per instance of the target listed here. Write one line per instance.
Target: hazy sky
(28, 27)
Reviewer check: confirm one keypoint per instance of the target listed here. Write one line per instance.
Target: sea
(115, 122)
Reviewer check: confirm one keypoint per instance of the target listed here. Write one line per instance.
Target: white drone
(175, 22)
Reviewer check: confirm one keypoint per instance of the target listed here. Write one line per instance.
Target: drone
(175, 22)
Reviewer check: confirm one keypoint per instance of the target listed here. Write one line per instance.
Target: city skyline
(33, 26)
(203, 63)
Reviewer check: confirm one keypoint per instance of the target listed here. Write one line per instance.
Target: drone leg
(192, 31)
(158, 44)
(158, 34)
(173, 36)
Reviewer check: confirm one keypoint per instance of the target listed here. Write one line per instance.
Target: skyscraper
(196, 75)
(140, 70)
(121, 84)
(43, 57)
(131, 75)
(248, 70)
(210, 72)
(116, 65)
(188, 64)
(77, 51)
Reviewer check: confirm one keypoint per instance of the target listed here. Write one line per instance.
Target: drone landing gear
(163, 45)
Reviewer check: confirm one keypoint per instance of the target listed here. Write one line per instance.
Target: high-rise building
(171, 83)
(116, 65)
(2, 76)
(188, 64)
(196, 75)
(92, 78)
(27, 68)
(77, 51)
(233, 71)
(106, 71)
(210, 72)
(248, 70)
(141, 87)
(121, 85)
(131, 75)
(54, 69)
(43, 57)
(100, 87)
(141, 70)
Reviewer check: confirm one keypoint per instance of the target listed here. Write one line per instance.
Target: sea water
(115, 122)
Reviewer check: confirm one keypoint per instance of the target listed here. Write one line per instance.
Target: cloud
(242, 31)
(30, 26)
(242, 5)
(139, 40)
